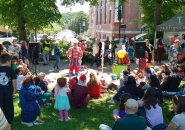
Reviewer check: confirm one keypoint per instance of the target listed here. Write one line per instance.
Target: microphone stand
(34, 61)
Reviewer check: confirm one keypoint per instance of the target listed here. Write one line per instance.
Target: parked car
(4, 37)
(39, 37)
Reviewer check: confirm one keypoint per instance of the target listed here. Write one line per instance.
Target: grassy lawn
(98, 112)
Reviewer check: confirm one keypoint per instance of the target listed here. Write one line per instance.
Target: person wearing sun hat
(131, 121)
(79, 93)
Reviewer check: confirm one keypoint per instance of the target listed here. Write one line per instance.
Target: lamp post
(6, 28)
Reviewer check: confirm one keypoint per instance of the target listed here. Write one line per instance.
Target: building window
(116, 10)
(110, 15)
(105, 18)
(97, 16)
(101, 12)
(122, 12)
(104, 36)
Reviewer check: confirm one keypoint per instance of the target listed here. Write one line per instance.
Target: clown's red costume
(74, 54)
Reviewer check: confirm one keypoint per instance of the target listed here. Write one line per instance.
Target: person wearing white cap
(74, 54)
(131, 121)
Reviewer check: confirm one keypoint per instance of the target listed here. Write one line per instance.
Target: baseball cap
(131, 103)
(83, 77)
(114, 76)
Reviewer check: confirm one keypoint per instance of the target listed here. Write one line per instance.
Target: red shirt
(94, 91)
(74, 52)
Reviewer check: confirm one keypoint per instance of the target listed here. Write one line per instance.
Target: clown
(122, 57)
(74, 54)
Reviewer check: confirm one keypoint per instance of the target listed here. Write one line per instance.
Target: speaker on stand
(140, 53)
(34, 51)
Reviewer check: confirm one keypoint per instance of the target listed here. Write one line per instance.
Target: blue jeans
(57, 62)
(46, 57)
(171, 94)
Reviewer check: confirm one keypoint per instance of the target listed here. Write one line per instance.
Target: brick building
(104, 21)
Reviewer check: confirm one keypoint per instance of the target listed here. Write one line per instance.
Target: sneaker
(111, 101)
(27, 124)
(37, 122)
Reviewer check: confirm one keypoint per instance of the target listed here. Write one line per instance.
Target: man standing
(113, 48)
(7, 87)
(150, 52)
(131, 121)
(107, 51)
(74, 54)
(57, 54)
(95, 54)
(83, 47)
(14, 49)
(46, 49)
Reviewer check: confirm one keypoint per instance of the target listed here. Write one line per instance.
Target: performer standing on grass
(75, 56)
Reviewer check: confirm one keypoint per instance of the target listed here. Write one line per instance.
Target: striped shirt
(3, 121)
(74, 53)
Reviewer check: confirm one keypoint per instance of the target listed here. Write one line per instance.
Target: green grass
(97, 112)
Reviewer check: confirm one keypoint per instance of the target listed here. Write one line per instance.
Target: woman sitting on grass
(177, 122)
(93, 86)
(29, 107)
(153, 111)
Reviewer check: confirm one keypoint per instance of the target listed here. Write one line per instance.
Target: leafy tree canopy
(79, 23)
(158, 11)
(28, 14)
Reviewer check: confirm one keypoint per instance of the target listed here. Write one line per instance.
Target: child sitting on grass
(103, 86)
(119, 113)
(114, 85)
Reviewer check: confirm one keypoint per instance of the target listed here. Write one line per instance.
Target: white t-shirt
(178, 120)
(154, 115)
(95, 50)
(19, 81)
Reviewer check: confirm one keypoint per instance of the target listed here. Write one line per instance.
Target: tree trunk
(22, 28)
(21, 20)
(157, 13)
